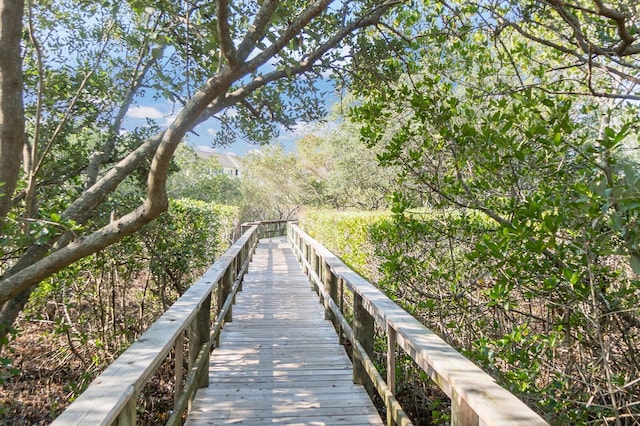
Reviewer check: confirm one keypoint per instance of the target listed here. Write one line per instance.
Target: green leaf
(635, 263)
(609, 132)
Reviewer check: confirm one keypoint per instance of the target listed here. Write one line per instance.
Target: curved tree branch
(41, 261)
(257, 29)
(224, 33)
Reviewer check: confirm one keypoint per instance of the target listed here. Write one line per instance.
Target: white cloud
(303, 128)
(206, 149)
(227, 113)
(144, 112)
(169, 119)
(211, 132)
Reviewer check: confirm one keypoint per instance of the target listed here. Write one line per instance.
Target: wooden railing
(476, 399)
(268, 228)
(112, 397)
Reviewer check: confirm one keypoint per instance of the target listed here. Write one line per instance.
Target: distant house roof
(229, 161)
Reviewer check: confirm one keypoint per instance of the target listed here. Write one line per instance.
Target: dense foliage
(515, 231)
(92, 311)
(202, 178)
(330, 168)
(71, 71)
(348, 234)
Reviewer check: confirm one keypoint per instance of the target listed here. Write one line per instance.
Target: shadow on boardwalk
(279, 361)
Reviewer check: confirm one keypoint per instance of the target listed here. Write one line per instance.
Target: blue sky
(163, 112)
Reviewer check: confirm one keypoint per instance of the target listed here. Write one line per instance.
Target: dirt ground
(45, 379)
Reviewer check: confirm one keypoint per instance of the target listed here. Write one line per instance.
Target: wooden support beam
(127, 416)
(227, 282)
(199, 335)
(330, 282)
(363, 331)
(179, 359)
(391, 368)
(341, 307)
(461, 413)
(305, 256)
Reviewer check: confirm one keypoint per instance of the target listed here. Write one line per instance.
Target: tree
(249, 56)
(272, 188)
(597, 41)
(515, 232)
(202, 179)
(11, 106)
(340, 172)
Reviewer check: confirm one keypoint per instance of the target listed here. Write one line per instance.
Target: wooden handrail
(476, 399)
(268, 228)
(111, 397)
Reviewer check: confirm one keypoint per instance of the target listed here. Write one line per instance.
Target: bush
(102, 303)
(347, 234)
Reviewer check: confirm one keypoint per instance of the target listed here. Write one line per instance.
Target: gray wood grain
(279, 361)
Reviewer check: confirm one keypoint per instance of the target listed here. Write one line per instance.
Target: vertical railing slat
(391, 368)
(329, 282)
(363, 330)
(341, 306)
(198, 336)
(461, 413)
(127, 416)
(179, 359)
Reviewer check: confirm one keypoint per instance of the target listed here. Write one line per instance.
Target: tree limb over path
(237, 78)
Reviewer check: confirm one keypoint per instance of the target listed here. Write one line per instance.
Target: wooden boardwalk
(279, 361)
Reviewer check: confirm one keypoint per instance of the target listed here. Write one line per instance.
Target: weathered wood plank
(458, 377)
(111, 392)
(327, 381)
(282, 373)
(279, 362)
(312, 416)
(318, 420)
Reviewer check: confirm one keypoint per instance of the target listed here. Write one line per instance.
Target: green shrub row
(348, 235)
(444, 267)
(99, 305)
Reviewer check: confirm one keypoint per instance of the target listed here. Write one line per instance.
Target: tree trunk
(40, 261)
(11, 105)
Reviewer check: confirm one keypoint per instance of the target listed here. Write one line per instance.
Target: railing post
(330, 282)
(198, 336)
(241, 259)
(341, 306)
(234, 274)
(391, 368)
(461, 413)
(311, 258)
(127, 416)
(179, 359)
(225, 289)
(245, 227)
(316, 265)
(305, 256)
(364, 333)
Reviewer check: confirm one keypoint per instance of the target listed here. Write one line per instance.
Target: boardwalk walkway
(279, 360)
